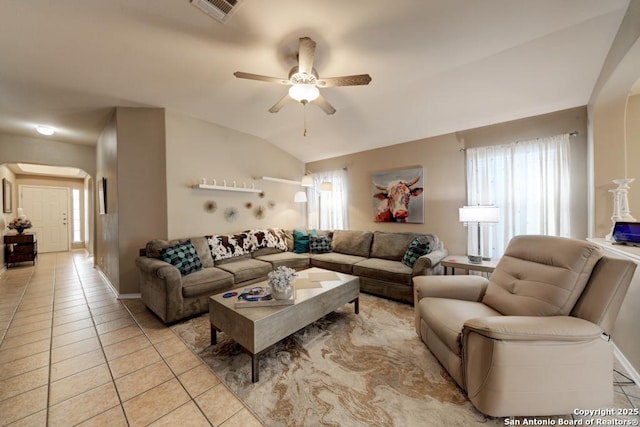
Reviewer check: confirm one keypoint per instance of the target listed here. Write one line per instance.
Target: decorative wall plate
(231, 214)
(259, 212)
(210, 206)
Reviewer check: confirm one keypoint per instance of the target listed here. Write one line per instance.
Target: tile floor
(72, 354)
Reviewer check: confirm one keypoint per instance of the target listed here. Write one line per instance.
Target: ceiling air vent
(220, 10)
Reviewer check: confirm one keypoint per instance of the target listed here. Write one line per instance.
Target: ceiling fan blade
(356, 80)
(278, 105)
(322, 102)
(306, 55)
(241, 75)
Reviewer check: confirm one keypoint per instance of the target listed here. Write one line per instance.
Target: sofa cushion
(207, 281)
(269, 238)
(183, 256)
(352, 242)
(229, 245)
(527, 282)
(384, 269)
(287, 259)
(391, 246)
(334, 261)
(301, 241)
(246, 269)
(319, 244)
(418, 247)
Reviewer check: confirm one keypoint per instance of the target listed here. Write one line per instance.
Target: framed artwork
(102, 195)
(398, 196)
(6, 196)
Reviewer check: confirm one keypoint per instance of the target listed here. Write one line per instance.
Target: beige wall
(608, 114)
(197, 149)
(444, 186)
(444, 173)
(131, 156)
(5, 173)
(607, 109)
(46, 151)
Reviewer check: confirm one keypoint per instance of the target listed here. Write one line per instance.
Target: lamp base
(475, 259)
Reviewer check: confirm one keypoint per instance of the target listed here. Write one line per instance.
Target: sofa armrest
(161, 288)
(533, 328)
(157, 267)
(467, 288)
(426, 263)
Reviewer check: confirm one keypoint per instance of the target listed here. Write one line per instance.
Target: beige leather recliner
(533, 339)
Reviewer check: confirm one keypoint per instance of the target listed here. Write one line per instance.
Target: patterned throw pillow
(183, 256)
(417, 248)
(319, 244)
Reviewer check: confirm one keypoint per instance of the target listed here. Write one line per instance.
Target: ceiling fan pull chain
(304, 112)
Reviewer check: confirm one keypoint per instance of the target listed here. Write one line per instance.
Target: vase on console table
(621, 211)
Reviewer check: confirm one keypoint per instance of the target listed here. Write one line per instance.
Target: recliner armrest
(467, 288)
(533, 328)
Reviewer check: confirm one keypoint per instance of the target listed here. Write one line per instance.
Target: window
(529, 181)
(75, 207)
(328, 210)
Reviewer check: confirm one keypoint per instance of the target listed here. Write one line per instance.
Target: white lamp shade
(307, 181)
(300, 197)
(479, 214)
(326, 186)
(305, 92)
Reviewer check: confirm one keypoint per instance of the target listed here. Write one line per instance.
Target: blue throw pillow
(183, 256)
(416, 249)
(301, 241)
(319, 244)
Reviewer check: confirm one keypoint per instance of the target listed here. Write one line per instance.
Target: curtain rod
(572, 133)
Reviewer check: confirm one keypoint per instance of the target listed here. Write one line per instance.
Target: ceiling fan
(304, 80)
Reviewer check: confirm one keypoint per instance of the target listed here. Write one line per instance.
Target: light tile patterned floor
(72, 354)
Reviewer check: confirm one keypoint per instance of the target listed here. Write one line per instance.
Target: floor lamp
(479, 215)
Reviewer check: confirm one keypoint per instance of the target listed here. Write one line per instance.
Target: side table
(462, 262)
(20, 248)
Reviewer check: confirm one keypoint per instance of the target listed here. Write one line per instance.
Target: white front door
(47, 208)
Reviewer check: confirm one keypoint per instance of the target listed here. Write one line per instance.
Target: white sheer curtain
(328, 210)
(529, 181)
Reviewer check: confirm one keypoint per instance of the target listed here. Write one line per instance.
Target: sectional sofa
(222, 262)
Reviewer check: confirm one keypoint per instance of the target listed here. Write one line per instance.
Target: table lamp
(478, 215)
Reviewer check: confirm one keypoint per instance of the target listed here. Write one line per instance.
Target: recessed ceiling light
(45, 130)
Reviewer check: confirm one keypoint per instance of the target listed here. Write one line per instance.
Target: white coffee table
(258, 328)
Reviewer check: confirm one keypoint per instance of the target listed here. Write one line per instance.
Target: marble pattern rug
(369, 369)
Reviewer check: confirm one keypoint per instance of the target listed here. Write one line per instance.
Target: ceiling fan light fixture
(304, 92)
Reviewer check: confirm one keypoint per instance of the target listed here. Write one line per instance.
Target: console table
(20, 248)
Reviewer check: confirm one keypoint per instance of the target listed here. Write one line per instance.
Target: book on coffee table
(258, 296)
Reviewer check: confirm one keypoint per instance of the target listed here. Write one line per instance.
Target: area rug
(369, 369)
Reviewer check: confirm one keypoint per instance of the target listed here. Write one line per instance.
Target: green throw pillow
(319, 244)
(183, 256)
(301, 241)
(416, 249)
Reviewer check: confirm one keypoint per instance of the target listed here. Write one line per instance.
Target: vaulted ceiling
(438, 66)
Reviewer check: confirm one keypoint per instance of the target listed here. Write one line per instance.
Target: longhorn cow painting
(397, 196)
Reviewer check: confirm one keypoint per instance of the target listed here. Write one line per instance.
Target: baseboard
(129, 296)
(113, 288)
(631, 372)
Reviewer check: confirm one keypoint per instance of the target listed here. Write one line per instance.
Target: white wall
(197, 149)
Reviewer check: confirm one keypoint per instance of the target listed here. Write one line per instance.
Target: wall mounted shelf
(271, 178)
(225, 188)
